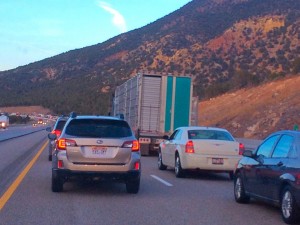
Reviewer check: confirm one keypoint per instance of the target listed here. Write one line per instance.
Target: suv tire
(57, 183)
(133, 186)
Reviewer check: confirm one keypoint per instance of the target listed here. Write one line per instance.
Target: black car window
(104, 128)
(283, 147)
(266, 147)
(209, 134)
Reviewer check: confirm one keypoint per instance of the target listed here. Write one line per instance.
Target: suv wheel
(160, 164)
(179, 172)
(50, 157)
(239, 191)
(289, 209)
(133, 186)
(57, 183)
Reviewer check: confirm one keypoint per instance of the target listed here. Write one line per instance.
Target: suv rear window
(209, 134)
(98, 128)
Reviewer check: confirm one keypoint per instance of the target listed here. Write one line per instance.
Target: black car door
(275, 167)
(255, 179)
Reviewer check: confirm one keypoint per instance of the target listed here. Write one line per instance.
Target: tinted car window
(173, 135)
(178, 135)
(266, 147)
(209, 134)
(98, 128)
(60, 124)
(283, 147)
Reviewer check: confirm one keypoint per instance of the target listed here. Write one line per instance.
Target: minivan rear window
(98, 128)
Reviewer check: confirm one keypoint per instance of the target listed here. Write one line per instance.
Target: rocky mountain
(223, 44)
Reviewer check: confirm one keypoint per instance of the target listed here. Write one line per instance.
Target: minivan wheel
(289, 210)
(133, 186)
(57, 183)
(179, 172)
(239, 191)
(160, 164)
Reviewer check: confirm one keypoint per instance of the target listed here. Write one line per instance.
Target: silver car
(100, 147)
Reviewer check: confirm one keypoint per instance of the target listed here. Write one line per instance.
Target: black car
(57, 128)
(272, 173)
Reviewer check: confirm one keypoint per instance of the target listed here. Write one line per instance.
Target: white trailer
(154, 105)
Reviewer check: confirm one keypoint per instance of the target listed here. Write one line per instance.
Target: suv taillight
(134, 145)
(63, 143)
(189, 147)
(241, 148)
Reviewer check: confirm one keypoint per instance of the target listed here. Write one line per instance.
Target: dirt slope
(257, 111)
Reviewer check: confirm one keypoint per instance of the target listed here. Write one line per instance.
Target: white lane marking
(162, 181)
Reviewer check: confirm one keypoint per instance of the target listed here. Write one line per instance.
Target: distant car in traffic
(96, 147)
(200, 148)
(272, 173)
(57, 128)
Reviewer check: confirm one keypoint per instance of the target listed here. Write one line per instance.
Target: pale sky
(32, 30)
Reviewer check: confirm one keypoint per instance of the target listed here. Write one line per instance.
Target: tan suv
(100, 147)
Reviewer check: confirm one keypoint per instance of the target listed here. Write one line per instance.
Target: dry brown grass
(257, 111)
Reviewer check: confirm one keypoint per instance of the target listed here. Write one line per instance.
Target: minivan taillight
(241, 148)
(63, 143)
(134, 145)
(189, 147)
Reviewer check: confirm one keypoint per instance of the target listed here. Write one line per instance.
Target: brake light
(134, 145)
(63, 143)
(136, 165)
(241, 148)
(56, 132)
(189, 147)
(298, 179)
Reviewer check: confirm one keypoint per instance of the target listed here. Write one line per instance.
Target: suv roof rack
(120, 116)
(73, 114)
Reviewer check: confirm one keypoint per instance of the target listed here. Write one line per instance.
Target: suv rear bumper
(122, 176)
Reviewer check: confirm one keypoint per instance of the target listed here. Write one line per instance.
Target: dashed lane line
(162, 181)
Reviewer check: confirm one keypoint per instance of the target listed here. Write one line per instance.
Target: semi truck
(155, 104)
(4, 121)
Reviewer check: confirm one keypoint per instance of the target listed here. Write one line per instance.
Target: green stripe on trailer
(182, 102)
(168, 114)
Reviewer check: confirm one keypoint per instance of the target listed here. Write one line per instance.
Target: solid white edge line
(162, 181)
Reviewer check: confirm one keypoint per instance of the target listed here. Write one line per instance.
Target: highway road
(200, 198)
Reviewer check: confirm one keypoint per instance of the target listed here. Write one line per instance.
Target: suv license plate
(218, 161)
(99, 151)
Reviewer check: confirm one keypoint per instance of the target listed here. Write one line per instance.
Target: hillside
(255, 112)
(224, 45)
